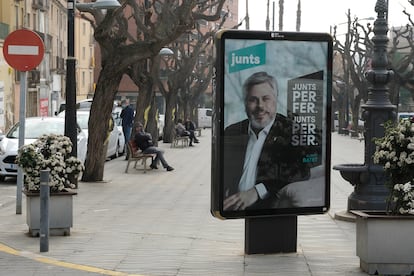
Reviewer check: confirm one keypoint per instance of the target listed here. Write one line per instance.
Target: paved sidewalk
(159, 223)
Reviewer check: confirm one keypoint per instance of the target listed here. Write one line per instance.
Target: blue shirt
(127, 115)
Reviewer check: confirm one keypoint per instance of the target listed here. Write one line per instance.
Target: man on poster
(263, 169)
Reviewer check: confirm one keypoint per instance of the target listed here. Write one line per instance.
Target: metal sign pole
(22, 115)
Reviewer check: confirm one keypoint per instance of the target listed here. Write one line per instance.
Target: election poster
(271, 124)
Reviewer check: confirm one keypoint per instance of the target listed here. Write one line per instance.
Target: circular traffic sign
(23, 50)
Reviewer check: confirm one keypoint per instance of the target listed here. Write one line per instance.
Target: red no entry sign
(23, 50)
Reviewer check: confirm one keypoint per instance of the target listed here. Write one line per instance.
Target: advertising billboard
(271, 124)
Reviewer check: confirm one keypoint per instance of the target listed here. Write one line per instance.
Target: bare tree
(128, 36)
(189, 75)
(350, 87)
(349, 82)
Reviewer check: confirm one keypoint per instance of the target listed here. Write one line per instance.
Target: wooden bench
(177, 140)
(134, 155)
(198, 130)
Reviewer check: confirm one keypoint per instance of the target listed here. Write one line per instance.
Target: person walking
(127, 116)
(143, 141)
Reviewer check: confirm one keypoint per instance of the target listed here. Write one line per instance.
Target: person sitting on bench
(190, 126)
(181, 131)
(143, 140)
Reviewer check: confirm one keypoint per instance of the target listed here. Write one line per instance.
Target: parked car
(116, 114)
(161, 124)
(116, 143)
(83, 104)
(204, 117)
(34, 128)
(405, 115)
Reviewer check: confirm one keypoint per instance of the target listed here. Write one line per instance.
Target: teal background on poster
(246, 58)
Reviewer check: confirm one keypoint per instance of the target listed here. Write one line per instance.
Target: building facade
(46, 84)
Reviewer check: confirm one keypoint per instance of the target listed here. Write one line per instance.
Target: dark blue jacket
(127, 115)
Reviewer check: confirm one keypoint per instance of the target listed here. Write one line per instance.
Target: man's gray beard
(257, 125)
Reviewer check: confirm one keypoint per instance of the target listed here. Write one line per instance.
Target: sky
(320, 15)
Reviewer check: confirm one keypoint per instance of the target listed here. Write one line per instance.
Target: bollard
(44, 210)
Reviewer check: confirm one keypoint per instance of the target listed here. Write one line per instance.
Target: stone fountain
(368, 179)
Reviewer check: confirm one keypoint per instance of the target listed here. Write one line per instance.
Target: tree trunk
(143, 102)
(170, 105)
(152, 126)
(98, 126)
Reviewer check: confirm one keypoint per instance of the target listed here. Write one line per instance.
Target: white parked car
(83, 104)
(34, 128)
(116, 143)
(161, 124)
(116, 114)
(405, 116)
(204, 117)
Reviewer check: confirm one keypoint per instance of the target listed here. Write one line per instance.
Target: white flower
(402, 211)
(48, 152)
(395, 152)
(407, 187)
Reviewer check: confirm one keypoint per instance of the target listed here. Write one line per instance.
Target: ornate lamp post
(370, 192)
(70, 113)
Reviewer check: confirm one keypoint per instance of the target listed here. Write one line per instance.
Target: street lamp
(370, 192)
(70, 113)
(166, 52)
(349, 22)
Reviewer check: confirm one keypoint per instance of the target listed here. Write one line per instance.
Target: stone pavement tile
(278, 264)
(159, 223)
(216, 263)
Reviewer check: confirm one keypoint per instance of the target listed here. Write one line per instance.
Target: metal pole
(247, 15)
(370, 192)
(347, 80)
(273, 17)
(44, 210)
(22, 115)
(70, 112)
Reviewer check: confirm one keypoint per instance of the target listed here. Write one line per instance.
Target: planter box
(385, 243)
(60, 213)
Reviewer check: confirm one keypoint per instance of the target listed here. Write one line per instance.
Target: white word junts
(250, 59)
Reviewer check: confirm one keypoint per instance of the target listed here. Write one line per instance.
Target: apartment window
(16, 22)
(21, 18)
(28, 19)
(83, 79)
(83, 53)
(83, 28)
(60, 48)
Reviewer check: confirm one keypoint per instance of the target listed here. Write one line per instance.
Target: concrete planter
(384, 243)
(60, 213)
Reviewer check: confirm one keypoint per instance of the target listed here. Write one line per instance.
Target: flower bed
(49, 152)
(395, 152)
